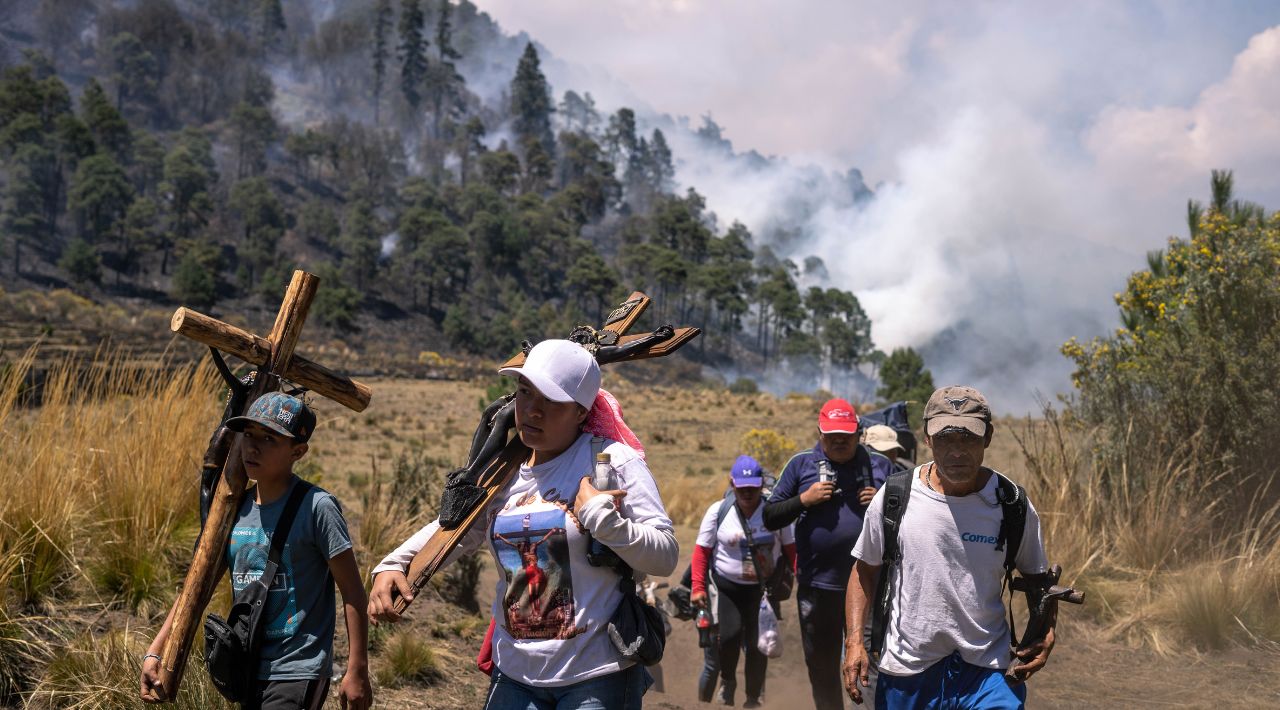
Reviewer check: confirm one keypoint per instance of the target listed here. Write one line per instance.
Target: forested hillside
(412, 154)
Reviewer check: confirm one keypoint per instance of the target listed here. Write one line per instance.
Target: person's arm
(355, 692)
(698, 569)
(858, 596)
(390, 574)
(1033, 565)
(149, 680)
(632, 521)
(704, 546)
(784, 506)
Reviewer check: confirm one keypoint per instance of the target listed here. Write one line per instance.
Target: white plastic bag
(770, 641)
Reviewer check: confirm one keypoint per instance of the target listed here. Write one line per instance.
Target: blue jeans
(617, 691)
(950, 684)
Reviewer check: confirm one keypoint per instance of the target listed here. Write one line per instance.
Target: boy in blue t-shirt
(295, 662)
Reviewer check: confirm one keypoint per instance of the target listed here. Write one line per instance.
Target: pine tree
(531, 104)
(382, 16)
(443, 82)
(82, 262)
(108, 127)
(413, 52)
(99, 195)
(360, 245)
(268, 23)
(661, 172)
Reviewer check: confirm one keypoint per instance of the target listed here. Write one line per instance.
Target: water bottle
(827, 475)
(604, 478)
(703, 623)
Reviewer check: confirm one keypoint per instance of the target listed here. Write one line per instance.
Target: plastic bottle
(827, 475)
(703, 623)
(604, 478)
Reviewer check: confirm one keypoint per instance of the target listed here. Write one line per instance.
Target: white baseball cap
(562, 371)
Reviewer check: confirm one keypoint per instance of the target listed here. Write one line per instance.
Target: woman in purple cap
(551, 645)
(740, 553)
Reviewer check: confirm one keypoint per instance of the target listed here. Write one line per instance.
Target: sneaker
(752, 703)
(724, 696)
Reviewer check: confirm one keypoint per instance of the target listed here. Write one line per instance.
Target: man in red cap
(825, 491)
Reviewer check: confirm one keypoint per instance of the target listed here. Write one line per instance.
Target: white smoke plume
(1027, 155)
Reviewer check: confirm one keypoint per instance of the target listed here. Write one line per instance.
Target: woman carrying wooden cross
(551, 647)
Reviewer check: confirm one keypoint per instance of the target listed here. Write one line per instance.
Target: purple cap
(747, 473)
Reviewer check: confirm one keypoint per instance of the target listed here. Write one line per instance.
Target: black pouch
(637, 630)
(231, 645)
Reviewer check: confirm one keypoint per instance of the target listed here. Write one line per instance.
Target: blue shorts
(950, 684)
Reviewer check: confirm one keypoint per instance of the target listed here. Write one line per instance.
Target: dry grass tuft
(406, 658)
(1169, 553)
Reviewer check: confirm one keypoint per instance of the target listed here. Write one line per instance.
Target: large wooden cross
(274, 357)
(613, 346)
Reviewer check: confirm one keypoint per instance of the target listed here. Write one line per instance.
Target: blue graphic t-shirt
(299, 618)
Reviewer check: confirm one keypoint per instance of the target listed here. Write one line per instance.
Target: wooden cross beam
(498, 473)
(275, 360)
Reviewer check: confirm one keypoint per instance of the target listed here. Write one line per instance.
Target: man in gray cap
(944, 638)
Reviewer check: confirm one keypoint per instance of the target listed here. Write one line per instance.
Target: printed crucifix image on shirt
(534, 552)
(248, 552)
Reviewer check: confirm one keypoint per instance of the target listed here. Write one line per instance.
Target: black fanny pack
(231, 645)
(637, 630)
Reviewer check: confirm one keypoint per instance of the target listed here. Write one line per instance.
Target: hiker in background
(957, 530)
(824, 492)
(883, 440)
(740, 554)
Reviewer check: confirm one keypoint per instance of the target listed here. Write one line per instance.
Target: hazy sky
(1030, 152)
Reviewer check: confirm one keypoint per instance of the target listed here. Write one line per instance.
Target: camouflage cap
(957, 406)
(279, 412)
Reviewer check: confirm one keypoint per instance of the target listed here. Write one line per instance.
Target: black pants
(710, 670)
(288, 695)
(822, 634)
(739, 611)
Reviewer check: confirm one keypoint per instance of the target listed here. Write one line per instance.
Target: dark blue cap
(747, 473)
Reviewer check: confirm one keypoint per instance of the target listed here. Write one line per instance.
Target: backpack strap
(1013, 523)
(751, 543)
(897, 491)
(280, 535)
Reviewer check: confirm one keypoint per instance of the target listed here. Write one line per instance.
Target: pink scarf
(605, 419)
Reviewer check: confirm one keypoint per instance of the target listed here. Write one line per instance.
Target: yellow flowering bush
(1196, 362)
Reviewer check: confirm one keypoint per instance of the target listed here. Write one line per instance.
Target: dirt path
(1085, 672)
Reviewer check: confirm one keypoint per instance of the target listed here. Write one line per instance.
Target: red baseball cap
(837, 417)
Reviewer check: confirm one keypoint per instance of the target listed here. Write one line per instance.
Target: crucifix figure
(224, 468)
(496, 455)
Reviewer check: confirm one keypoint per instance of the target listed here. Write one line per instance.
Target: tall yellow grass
(99, 507)
(1170, 552)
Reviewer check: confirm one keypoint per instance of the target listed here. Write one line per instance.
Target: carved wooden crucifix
(494, 458)
(275, 360)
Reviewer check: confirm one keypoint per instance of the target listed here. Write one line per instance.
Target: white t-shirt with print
(729, 544)
(552, 607)
(947, 590)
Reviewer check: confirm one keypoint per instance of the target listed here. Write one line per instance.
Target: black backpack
(897, 491)
(232, 645)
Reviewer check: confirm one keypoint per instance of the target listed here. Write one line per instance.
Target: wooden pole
(202, 576)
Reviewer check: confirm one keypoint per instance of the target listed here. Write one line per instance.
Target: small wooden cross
(275, 360)
(608, 344)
